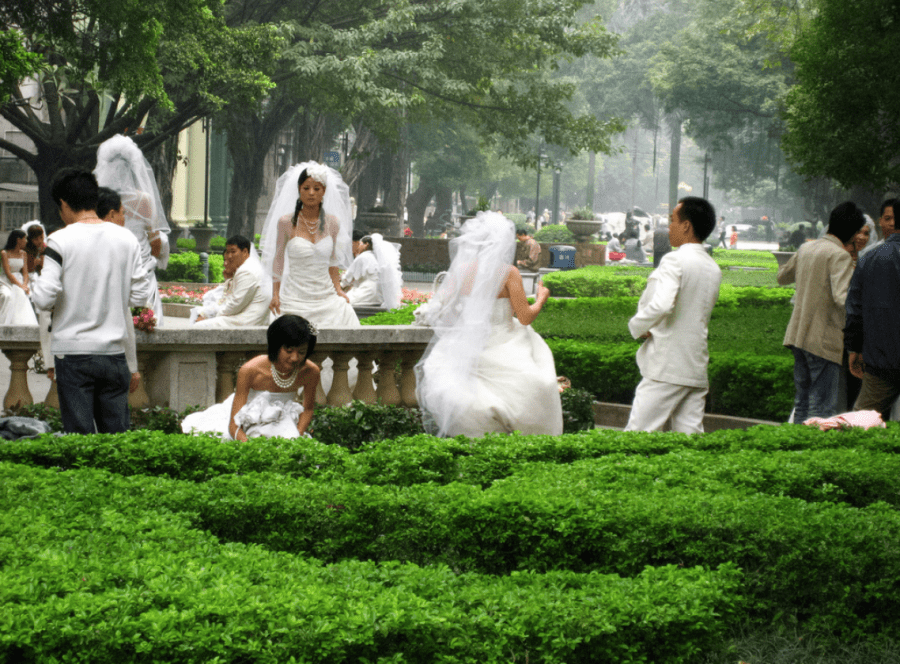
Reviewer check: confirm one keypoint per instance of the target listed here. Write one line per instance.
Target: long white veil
(255, 264)
(460, 313)
(336, 203)
(390, 278)
(121, 166)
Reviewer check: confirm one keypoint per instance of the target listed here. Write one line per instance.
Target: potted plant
(202, 233)
(583, 225)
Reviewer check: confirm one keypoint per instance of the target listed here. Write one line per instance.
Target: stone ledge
(615, 416)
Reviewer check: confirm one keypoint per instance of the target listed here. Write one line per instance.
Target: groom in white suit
(673, 318)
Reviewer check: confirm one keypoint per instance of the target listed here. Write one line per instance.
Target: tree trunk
(47, 164)
(163, 160)
(395, 195)
(443, 203)
(674, 159)
(591, 181)
(367, 183)
(416, 203)
(246, 188)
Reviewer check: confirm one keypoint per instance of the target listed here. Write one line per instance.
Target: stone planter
(783, 256)
(583, 229)
(203, 237)
(378, 222)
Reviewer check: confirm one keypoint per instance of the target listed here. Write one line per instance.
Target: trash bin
(562, 257)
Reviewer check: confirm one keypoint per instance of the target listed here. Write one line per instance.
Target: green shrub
(185, 268)
(186, 243)
(357, 423)
(119, 580)
(578, 410)
(217, 242)
(555, 233)
(401, 316)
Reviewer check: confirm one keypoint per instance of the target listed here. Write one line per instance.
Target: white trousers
(655, 402)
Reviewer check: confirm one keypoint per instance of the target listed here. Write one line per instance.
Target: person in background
(34, 248)
(885, 224)
(15, 307)
(528, 251)
(245, 297)
(673, 320)
(732, 243)
(822, 270)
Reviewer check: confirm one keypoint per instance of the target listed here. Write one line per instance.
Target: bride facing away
(486, 369)
(306, 241)
(263, 403)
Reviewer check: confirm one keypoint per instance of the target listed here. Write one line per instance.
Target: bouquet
(144, 318)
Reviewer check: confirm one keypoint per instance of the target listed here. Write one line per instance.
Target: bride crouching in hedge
(263, 402)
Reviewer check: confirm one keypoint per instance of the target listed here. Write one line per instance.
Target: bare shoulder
(332, 225)
(255, 369)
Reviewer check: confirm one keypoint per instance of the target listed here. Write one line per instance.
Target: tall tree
(146, 67)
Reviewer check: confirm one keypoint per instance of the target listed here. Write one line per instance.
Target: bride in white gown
(306, 241)
(486, 370)
(15, 307)
(264, 400)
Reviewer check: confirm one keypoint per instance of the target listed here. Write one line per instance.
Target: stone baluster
(139, 398)
(365, 388)
(18, 395)
(227, 364)
(52, 398)
(318, 359)
(408, 361)
(339, 394)
(387, 392)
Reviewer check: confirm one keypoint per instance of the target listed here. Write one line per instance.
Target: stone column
(387, 392)
(408, 378)
(18, 395)
(139, 398)
(365, 388)
(339, 394)
(318, 359)
(227, 364)
(52, 398)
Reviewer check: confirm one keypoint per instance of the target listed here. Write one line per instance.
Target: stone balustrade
(186, 367)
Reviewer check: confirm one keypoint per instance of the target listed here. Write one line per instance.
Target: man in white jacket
(673, 319)
(92, 275)
(244, 300)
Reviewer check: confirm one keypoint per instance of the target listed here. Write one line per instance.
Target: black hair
(367, 240)
(13, 239)
(34, 231)
(289, 331)
(701, 215)
(108, 200)
(304, 176)
(358, 235)
(845, 221)
(238, 241)
(77, 187)
(892, 203)
(521, 231)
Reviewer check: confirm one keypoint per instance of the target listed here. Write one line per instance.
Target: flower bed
(185, 295)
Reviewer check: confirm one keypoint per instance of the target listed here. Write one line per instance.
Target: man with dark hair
(872, 333)
(673, 317)
(528, 251)
(822, 270)
(243, 301)
(885, 224)
(109, 206)
(92, 275)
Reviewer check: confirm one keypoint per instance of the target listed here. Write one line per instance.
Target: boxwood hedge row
(92, 573)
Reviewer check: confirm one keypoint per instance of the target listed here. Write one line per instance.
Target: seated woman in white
(486, 370)
(15, 307)
(264, 400)
(374, 278)
(245, 298)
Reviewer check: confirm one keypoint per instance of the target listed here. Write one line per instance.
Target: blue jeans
(816, 385)
(93, 389)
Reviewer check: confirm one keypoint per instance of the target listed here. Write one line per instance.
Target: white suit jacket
(675, 309)
(243, 302)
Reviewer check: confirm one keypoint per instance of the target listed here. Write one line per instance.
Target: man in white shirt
(243, 302)
(673, 319)
(92, 275)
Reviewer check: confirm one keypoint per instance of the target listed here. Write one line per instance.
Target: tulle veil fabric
(336, 202)
(390, 277)
(460, 314)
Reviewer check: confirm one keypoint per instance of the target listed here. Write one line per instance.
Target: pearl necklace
(310, 227)
(284, 383)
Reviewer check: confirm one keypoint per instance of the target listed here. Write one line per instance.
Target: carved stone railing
(185, 367)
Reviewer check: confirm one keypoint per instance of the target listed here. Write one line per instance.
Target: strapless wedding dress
(266, 414)
(15, 307)
(308, 290)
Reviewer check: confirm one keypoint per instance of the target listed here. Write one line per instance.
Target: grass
(781, 647)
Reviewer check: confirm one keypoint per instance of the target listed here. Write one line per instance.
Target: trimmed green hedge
(185, 268)
(91, 574)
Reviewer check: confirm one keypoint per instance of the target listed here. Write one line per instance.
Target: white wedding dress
(514, 386)
(308, 290)
(15, 307)
(266, 414)
(362, 277)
